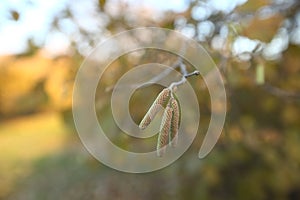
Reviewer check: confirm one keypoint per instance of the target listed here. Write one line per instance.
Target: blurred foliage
(257, 156)
(268, 27)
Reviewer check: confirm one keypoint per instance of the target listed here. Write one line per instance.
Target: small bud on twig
(194, 73)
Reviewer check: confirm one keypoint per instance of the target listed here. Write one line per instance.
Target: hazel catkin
(174, 122)
(164, 131)
(160, 102)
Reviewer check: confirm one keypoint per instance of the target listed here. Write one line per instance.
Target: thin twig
(163, 74)
(175, 65)
(280, 92)
(183, 79)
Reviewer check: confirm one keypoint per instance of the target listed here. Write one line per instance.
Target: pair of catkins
(168, 132)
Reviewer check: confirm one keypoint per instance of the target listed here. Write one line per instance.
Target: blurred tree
(254, 43)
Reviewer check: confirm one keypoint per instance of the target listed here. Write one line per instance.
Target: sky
(35, 19)
(34, 23)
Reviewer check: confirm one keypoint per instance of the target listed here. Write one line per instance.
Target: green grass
(25, 140)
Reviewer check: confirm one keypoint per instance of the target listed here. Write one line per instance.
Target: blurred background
(255, 44)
